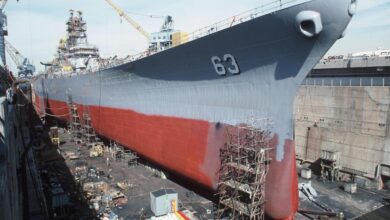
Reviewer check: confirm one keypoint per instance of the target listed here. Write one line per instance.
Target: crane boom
(22, 63)
(13, 53)
(3, 30)
(128, 19)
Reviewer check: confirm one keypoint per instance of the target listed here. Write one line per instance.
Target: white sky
(35, 27)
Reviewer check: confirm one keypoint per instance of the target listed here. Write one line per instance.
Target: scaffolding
(121, 154)
(244, 166)
(74, 124)
(88, 133)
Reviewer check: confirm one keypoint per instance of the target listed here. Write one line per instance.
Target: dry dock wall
(353, 120)
(11, 206)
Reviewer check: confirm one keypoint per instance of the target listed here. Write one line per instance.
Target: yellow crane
(128, 19)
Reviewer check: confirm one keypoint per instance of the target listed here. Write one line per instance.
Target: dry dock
(127, 185)
(341, 128)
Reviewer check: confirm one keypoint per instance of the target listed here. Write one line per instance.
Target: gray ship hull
(173, 107)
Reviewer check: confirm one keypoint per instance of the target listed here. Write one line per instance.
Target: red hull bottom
(187, 147)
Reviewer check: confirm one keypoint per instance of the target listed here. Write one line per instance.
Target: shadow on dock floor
(382, 213)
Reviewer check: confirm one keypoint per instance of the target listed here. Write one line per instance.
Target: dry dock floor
(365, 204)
(58, 168)
(140, 179)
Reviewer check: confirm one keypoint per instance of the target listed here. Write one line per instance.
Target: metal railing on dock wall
(347, 81)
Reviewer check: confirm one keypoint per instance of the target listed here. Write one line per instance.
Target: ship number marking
(221, 69)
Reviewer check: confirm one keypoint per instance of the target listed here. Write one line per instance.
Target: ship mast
(77, 28)
(74, 52)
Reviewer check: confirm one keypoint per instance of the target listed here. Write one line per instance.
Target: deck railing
(264, 9)
(261, 10)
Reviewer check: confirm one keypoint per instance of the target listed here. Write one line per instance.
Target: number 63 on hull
(227, 59)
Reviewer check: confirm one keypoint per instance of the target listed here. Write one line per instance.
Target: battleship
(173, 103)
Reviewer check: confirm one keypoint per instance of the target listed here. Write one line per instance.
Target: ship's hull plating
(173, 108)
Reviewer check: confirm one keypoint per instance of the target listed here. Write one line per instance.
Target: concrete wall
(352, 120)
(10, 146)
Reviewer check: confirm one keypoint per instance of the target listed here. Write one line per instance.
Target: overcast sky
(35, 27)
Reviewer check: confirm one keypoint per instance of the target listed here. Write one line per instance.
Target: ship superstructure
(163, 39)
(174, 106)
(74, 53)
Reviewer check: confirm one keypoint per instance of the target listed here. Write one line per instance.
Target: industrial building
(163, 201)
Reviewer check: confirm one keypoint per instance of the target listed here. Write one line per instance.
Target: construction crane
(128, 19)
(168, 24)
(2, 4)
(3, 30)
(25, 68)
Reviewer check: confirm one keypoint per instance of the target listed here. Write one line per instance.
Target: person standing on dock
(108, 161)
